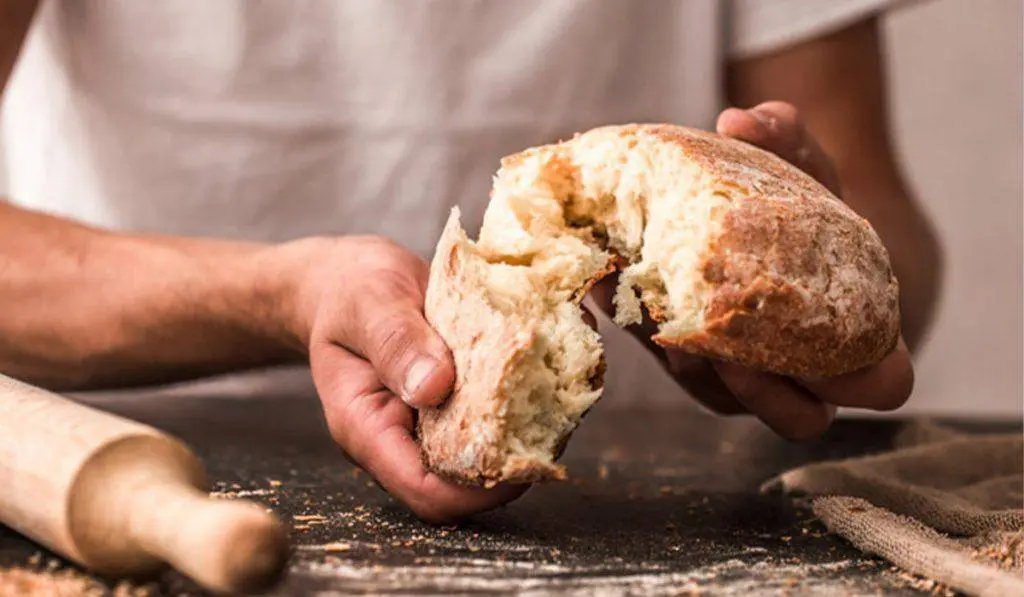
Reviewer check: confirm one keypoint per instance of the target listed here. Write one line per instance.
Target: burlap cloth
(942, 504)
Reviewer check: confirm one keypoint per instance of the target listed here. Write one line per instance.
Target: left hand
(797, 410)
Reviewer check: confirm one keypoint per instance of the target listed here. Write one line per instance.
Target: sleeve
(761, 26)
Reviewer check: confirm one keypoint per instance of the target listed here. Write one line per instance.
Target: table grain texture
(659, 502)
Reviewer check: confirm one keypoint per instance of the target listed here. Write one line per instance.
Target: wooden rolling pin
(124, 499)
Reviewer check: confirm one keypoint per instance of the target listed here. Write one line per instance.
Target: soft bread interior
(551, 383)
(558, 218)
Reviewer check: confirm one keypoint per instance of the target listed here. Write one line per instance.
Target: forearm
(85, 308)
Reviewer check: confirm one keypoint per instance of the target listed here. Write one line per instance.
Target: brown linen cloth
(942, 504)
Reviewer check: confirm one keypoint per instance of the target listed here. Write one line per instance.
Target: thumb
(388, 328)
(777, 127)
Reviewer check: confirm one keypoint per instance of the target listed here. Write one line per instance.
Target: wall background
(955, 69)
(956, 75)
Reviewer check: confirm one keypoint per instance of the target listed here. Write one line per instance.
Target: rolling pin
(123, 499)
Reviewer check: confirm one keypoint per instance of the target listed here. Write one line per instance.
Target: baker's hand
(374, 359)
(794, 409)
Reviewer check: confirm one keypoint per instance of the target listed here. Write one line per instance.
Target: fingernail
(418, 374)
(765, 119)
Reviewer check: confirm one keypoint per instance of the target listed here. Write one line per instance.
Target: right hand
(795, 409)
(359, 311)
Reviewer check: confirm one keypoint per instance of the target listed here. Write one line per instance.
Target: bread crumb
(337, 547)
(63, 583)
(20, 581)
(240, 493)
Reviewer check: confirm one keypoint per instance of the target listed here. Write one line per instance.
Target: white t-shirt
(272, 120)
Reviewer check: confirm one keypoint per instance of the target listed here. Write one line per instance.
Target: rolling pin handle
(230, 547)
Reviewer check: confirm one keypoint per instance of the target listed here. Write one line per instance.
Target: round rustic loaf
(736, 253)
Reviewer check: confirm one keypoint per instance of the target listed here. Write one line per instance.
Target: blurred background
(956, 94)
(955, 72)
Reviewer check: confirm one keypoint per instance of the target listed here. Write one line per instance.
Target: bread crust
(802, 285)
(798, 285)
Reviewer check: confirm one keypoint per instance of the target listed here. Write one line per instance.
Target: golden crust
(780, 302)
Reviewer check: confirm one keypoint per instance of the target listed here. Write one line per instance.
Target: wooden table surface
(659, 502)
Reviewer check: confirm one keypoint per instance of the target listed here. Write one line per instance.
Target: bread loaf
(736, 253)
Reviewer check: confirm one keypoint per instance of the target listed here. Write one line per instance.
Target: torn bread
(737, 254)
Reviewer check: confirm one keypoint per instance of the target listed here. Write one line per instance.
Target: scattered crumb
(240, 493)
(301, 527)
(66, 583)
(602, 471)
(275, 483)
(308, 517)
(1006, 551)
(337, 547)
(63, 583)
(665, 490)
(614, 453)
(126, 589)
(907, 579)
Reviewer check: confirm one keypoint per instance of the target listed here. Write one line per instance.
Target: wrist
(286, 290)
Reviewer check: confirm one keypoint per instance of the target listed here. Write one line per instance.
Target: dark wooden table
(660, 502)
